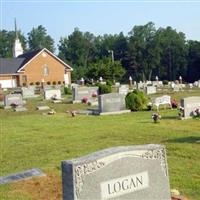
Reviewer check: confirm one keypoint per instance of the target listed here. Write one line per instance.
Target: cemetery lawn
(34, 140)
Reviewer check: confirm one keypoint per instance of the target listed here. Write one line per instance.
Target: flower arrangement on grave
(73, 113)
(181, 112)
(174, 103)
(196, 113)
(54, 97)
(14, 104)
(94, 94)
(156, 117)
(84, 100)
(149, 106)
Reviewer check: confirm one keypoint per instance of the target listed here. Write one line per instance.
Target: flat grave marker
(21, 176)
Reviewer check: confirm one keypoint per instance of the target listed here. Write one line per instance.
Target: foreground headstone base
(131, 172)
(116, 112)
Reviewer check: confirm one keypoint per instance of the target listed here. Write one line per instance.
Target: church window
(46, 70)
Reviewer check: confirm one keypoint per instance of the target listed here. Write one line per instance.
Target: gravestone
(28, 92)
(176, 88)
(150, 90)
(163, 100)
(11, 99)
(141, 86)
(112, 103)
(52, 94)
(123, 89)
(119, 173)
(21, 176)
(190, 104)
(79, 93)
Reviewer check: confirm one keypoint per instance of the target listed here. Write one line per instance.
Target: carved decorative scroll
(158, 154)
(82, 170)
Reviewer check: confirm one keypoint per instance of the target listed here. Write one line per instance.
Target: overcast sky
(100, 16)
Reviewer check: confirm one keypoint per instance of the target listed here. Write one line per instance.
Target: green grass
(35, 140)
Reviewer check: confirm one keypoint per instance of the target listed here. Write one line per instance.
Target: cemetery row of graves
(42, 127)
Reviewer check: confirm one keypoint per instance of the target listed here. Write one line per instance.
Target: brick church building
(33, 68)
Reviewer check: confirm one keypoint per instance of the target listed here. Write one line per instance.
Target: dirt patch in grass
(41, 188)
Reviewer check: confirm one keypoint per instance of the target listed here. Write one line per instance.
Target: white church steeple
(17, 47)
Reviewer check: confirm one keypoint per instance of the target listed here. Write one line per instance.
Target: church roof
(13, 65)
(10, 65)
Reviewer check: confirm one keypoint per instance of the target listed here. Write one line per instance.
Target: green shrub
(67, 90)
(108, 82)
(165, 82)
(59, 82)
(104, 89)
(31, 83)
(136, 100)
(54, 82)
(48, 82)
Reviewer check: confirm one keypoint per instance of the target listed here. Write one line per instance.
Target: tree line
(144, 53)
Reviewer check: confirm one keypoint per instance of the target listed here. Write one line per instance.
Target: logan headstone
(112, 103)
(190, 104)
(79, 93)
(132, 172)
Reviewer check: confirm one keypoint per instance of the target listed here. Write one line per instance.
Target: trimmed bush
(59, 82)
(136, 100)
(104, 89)
(37, 83)
(48, 82)
(54, 82)
(67, 90)
(165, 82)
(31, 83)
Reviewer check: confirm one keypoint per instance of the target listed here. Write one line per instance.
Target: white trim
(44, 49)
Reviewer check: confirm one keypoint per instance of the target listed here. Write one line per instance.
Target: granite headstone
(131, 172)
(28, 92)
(123, 89)
(150, 90)
(190, 104)
(112, 103)
(79, 93)
(52, 94)
(11, 99)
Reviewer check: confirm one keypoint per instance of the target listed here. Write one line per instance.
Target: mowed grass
(34, 140)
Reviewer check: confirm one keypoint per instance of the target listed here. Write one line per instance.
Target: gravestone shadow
(185, 140)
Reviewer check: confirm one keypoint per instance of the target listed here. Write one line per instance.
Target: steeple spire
(16, 33)
(17, 47)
